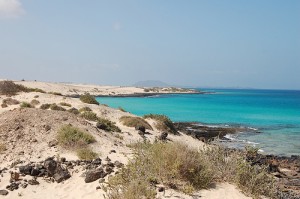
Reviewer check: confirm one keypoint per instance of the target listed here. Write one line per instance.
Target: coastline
(29, 133)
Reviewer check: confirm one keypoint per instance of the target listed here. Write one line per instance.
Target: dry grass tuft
(163, 123)
(89, 115)
(179, 167)
(56, 107)
(45, 106)
(135, 122)
(172, 164)
(65, 104)
(89, 99)
(72, 137)
(86, 154)
(85, 109)
(107, 125)
(34, 102)
(26, 105)
(74, 111)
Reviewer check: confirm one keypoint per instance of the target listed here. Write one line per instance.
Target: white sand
(75, 187)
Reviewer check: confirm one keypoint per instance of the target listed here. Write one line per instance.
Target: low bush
(74, 111)
(56, 107)
(65, 104)
(10, 101)
(107, 125)
(89, 115)
(55, 93)
(85, 109)
(254, 180)
(9, 88)
(38, 90)
(45, 106)
(69, 136)
(163, 123)
(135, 122)
(173, 164)
(26, 105)
(177, 166)
(89, 99)
(86, 154)
(34, 102)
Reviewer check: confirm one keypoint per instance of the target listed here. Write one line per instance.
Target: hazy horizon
(237, 44)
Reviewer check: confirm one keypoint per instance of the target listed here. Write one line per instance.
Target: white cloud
(11, 9)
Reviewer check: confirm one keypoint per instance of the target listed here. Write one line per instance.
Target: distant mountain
(151, 83)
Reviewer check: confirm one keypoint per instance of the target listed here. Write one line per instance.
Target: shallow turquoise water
(275, 113)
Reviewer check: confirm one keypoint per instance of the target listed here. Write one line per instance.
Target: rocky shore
(286, 170)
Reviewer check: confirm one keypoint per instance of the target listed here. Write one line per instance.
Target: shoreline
(146, 94)
(29, 135)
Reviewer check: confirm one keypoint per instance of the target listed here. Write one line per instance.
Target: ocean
(275, 114)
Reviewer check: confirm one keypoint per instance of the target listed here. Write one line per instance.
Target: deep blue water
(275, 113)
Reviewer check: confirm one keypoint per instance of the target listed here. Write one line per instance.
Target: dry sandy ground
(79, 89)
(26, 134)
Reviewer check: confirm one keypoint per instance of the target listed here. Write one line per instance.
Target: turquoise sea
(274, 113)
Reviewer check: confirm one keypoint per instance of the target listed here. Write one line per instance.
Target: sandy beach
(27, 132)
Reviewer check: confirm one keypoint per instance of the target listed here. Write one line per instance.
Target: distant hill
(151, 83)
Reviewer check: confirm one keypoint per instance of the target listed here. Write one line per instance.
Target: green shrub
(186, 169)
(163, 123)
(86, 154)
(135, 122)
(88, 115)
(26, 105)
(34, 102)
(107, 125)
(172, 164)
(69, 136)
(65, 104)
(38, 90)
(89, 99)
(56, 107)
(85, 109)
(9, 88)
(254, 180)
(45, 106)
(74, 111)
(10, 101)
(55, 93)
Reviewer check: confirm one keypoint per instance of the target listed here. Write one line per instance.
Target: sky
(200, 43)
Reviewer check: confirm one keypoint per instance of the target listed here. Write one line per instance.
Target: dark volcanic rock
(93, 175)
(50, 166)
(97, 161)
(205, 132)
(61, 175)
(141, 128)
(25, 169)
(163, 136)
(12, 186)
(35, 172)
